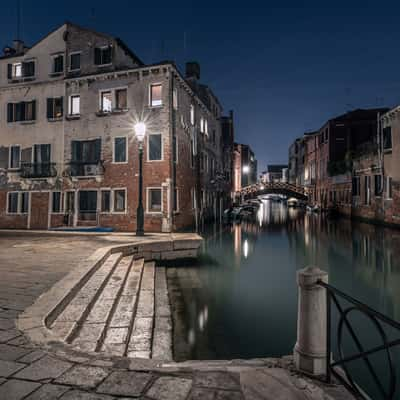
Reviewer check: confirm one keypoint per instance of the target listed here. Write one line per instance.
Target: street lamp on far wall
(140, 132)
(246, 169)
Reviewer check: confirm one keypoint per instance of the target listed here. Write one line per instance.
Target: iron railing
(38, 170)
(386, 393)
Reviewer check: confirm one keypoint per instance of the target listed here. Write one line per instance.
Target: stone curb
(36, 319)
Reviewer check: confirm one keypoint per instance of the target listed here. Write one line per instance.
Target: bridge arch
(259, 189)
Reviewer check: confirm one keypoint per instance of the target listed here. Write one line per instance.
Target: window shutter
(50, 108)
(75, 150)
(4, 153)
(10, 112)
(97, 56)
(97, 149)
(9, 71)
(34, 110)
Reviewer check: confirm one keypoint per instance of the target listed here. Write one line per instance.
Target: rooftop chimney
(193, 70)
(19, 46)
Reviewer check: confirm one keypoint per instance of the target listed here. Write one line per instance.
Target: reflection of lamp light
(262, 187)
(245, 248)
(246, 169)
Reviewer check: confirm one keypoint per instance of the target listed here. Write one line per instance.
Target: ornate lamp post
(140, 131)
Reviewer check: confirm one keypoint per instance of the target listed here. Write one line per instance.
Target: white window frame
(53, 57)
(148, 189)
(192, 115)
(175, 100)
(113, 98)
(74, 53)
(151, 97)
(113, 198)
(148, 147)
(126, 150)
(102, 48)
(71, 96)
(19, 202)
(101, 92)
(61, 202)
(9, 157)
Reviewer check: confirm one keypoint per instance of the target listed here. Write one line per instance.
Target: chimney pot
(193, 70)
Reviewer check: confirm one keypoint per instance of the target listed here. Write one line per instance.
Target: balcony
(86, 168)
(38, 170)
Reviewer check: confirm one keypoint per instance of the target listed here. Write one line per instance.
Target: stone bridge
(259, 189)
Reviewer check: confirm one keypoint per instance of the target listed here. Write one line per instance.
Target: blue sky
(283, 67)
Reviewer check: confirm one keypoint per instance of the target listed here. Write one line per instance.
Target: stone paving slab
(16, 389)
(170, 388)
(125, 383)
(48, 392)
(83, 376)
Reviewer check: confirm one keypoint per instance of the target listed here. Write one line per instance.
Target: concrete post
(310, 349)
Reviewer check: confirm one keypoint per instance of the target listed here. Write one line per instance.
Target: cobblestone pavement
(31, 264)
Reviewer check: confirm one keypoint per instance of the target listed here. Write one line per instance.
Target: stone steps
(123, 310)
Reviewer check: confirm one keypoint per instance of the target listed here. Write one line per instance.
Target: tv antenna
(18, 19)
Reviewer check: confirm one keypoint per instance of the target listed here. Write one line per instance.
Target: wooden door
(39, 210)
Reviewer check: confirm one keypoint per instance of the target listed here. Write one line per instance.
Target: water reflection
(241, 301)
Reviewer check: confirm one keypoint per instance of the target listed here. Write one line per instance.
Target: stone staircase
(122, 309)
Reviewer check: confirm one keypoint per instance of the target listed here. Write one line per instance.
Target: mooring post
(310, 349)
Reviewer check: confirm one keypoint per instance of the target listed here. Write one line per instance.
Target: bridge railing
(261, 187)
(313, 352)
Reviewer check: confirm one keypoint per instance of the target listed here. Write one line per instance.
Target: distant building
(245, 166)
(275, 173)
(227, 136)
(296, 161)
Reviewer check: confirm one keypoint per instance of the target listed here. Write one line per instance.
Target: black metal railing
(86, 168)
(38, 170)
(332, 297)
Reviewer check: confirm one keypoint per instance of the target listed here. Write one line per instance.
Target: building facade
(275, 173)
(68, 151)
(296, 162)
(245, 166)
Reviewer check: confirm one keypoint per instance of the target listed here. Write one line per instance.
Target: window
(202, 129)
(12, 203)
(388, 187)
(367, 190)
(103, 55)
(56, 202)
(41, 153)
(154, 147)
(86, 151)
(21, 70)
(106, 101)
(120, 150)
(154, 199)
(23, 111)
(193, 198)
(74, 104)
(192, 114)
(356, 186)
(378, 185)
(15, 157)
(387, 138)
(58, 64)
(119, 200)
(54, 107)
(175, 98)
(105, 201)
(24, 205)
(121, 99)
(18, 202)
(155, 95)
(75, 61)
(176, 200)
(206, 127)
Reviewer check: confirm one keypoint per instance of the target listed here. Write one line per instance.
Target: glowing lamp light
(140, 131)
(246, 169)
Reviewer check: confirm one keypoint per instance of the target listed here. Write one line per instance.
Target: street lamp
(246, 169)
(140, 131)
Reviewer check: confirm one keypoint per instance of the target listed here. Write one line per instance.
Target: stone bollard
(310, 349)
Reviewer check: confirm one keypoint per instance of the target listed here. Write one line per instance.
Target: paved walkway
(30, 265)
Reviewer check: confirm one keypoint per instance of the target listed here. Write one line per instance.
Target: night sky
(283, 67)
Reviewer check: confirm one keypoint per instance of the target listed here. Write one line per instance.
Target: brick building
(244, 166)
(68, 152)
(297, 161)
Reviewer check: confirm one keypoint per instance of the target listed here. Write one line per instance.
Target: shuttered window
(23, 111)
(58, 64)
(54, 107)
(120, 149)
(15, 157)
(103, 55)
(21, 70)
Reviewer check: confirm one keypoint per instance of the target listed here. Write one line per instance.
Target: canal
(240, 300)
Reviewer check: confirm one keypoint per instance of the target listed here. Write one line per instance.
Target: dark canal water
(240, 301)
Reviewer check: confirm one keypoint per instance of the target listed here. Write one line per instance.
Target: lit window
(105, 201)
(154, 147)
(175, 98)
(75, 62)
(54, 107)
(17, 70)
(119, 200)
(106, 101)
(154, 199)
(74, 104)
(155, 95)
(192, 114)
(120, 149)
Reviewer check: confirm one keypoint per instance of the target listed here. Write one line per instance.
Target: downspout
(173, 144)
